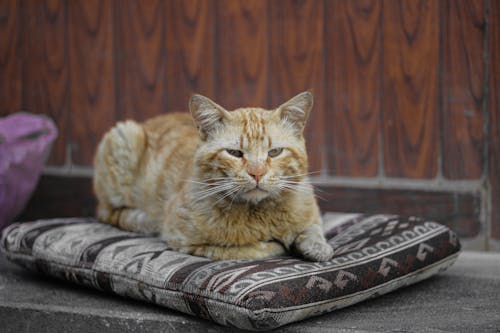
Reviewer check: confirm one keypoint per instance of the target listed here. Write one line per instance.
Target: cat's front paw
(314, 250)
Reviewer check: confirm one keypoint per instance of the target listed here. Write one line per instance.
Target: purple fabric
(25, 141)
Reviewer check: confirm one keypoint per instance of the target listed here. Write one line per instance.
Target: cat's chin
(255, 195)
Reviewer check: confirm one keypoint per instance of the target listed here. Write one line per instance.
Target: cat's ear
(208, 115)
(297, 110)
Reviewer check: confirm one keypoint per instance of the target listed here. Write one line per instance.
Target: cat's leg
(260, 250)
(312, 245)
(130, 219)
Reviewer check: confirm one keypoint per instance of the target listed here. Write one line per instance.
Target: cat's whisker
(225, 181)
(207, 181)
(197, 182)
(315, 187)
(295, 188)
(320, 197)
(300, 174)
(301, 184)
(306, 190)
(227, 186)
(229, 193)
(211, 191)
(217, 179)
(206, 185)
(235, 195)
(215, 184)
(294, 181)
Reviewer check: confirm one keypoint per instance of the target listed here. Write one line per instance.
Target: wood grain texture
(56, 197)
(90, 29)
(190, 43)
(462, 87)
(242, 67)
(410, 88)
(141, 59)
(45, 67)
(353, 87)
(459, 211)
(10, 63)
(494, 117)
(296, 64)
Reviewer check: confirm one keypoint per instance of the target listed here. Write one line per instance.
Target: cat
(216, 183)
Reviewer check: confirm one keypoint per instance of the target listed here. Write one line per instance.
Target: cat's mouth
(255, 195)
(256, 190)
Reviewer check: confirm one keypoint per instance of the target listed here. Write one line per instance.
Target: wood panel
(462, 86)
(373, 66)
(190, 51)
(459, 211)
(241, 32)
(60, 197)
(10, 63)
(45, 69)
(353, 87)
(141, 59)
(90, 29)
(410, 98)
(296, 64)
(494, 117)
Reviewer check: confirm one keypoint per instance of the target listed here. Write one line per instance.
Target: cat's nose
(257, 172)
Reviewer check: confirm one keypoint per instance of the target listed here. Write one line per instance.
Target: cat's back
(171, 125)
(139, 166)
(172, 141)
(166, 163)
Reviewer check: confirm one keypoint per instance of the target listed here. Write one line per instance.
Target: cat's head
(250, 154)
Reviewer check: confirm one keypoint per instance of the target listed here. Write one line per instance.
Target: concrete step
(466, 298)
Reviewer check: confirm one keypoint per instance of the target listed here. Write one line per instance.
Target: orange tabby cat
(233, 186)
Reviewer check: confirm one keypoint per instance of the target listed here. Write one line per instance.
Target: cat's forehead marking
(253, 126)
(257, 130)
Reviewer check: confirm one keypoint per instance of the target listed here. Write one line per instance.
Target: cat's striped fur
(233, 186)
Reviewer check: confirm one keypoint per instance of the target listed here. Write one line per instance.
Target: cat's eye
(275, 152)
(235, 152)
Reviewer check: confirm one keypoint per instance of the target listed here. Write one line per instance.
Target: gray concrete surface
(466, 298)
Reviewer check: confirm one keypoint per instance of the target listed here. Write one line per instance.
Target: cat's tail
(117, 162)
(124, 146)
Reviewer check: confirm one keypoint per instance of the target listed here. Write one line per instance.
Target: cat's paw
(315, 250)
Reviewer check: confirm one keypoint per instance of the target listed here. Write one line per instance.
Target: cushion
(374, 254)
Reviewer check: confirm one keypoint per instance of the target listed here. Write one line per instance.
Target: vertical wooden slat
(462, 85)
(10, 64)
(190, 51)
(241, 46)
(90, 28)
(141, 59)
(494, 112)
(296, 63)
(410, 85)
(45, 67)
(353, 86)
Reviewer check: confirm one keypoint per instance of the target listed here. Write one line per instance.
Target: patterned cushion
(374, 255)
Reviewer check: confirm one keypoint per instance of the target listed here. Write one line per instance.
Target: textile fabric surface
(25, 143)
(374, 254)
